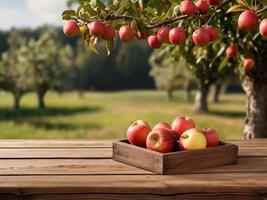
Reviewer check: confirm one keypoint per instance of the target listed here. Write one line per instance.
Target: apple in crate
(193, 139)
(182, 124)
(212, 137)
(138, 132)
(160, 140)
(164, 125)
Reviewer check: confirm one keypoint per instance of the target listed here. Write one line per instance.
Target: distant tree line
(44, 59)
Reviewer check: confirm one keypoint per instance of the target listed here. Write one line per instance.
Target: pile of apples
(181, 135)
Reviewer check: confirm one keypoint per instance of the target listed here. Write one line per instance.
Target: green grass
(107, 115)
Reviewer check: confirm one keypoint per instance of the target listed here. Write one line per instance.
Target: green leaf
(236, 8)
(243, 2)
(92, 44)
(223, 64)
(68, 14)
(110, 46)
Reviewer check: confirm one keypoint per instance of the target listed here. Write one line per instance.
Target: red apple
(248, 63)
(201, 36)
(248, 20)
(213, 32)
(163, 34)
(231, 51)
(142, 35)
(182, 124)
(187, 7)
(263, 27)
(153, 42)
(177, 36)
(126, 33)
(138, 132)
(214, 2)
(96, 28)
(193, 139)
(160, 140)
(212, 137)
(71, 28)
(109, 32)
(202, 6)
(164, 125)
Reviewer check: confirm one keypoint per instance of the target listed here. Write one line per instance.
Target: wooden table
(74, 170)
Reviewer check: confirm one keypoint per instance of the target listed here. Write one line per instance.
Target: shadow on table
(35, 117)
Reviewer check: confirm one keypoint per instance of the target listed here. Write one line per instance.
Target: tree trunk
(217, 92)
(16, 104)
(188, 95)
(169, 95)
(256, 109)
(41, 102)
(201, 100)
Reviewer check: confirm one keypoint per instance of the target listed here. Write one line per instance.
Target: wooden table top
(81, 169)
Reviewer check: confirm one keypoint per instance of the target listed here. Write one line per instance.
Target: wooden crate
(175, 162)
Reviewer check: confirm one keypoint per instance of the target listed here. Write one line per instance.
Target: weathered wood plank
(56, 153)
(92, 152)
(98, 143)
(55, 143)
(109, 167)
(197, 196)
(65, 167)
(136, 184)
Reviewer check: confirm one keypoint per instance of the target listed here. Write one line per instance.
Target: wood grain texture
(136, 184)
(10, 144)
(55, 153)
(82, 170)
(200, 196)
(65, 167)
(175, 162)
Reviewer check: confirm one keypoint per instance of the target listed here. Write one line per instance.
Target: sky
(30, 13)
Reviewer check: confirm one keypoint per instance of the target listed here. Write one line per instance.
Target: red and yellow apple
(96, 28)
(138, 132)
(182, 124)
(231, 51)
(177, 35)
(202, 6)
(160, 140)
(193, 139)
(163, 34)
(109, 32)
(153, 42)
(212, 137)
(248, 20)
(164, 125)
(263, 27)
(201, 36)
(71, 28)
(248, 63)
(187, 7)
(126, 33)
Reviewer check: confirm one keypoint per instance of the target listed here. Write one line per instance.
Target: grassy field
(107, 115)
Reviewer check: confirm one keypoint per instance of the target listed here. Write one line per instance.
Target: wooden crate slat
(175, 162)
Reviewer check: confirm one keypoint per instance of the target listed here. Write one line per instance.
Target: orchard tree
(175, 22)
(49, 62)
(170, 74)
(14, 77)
